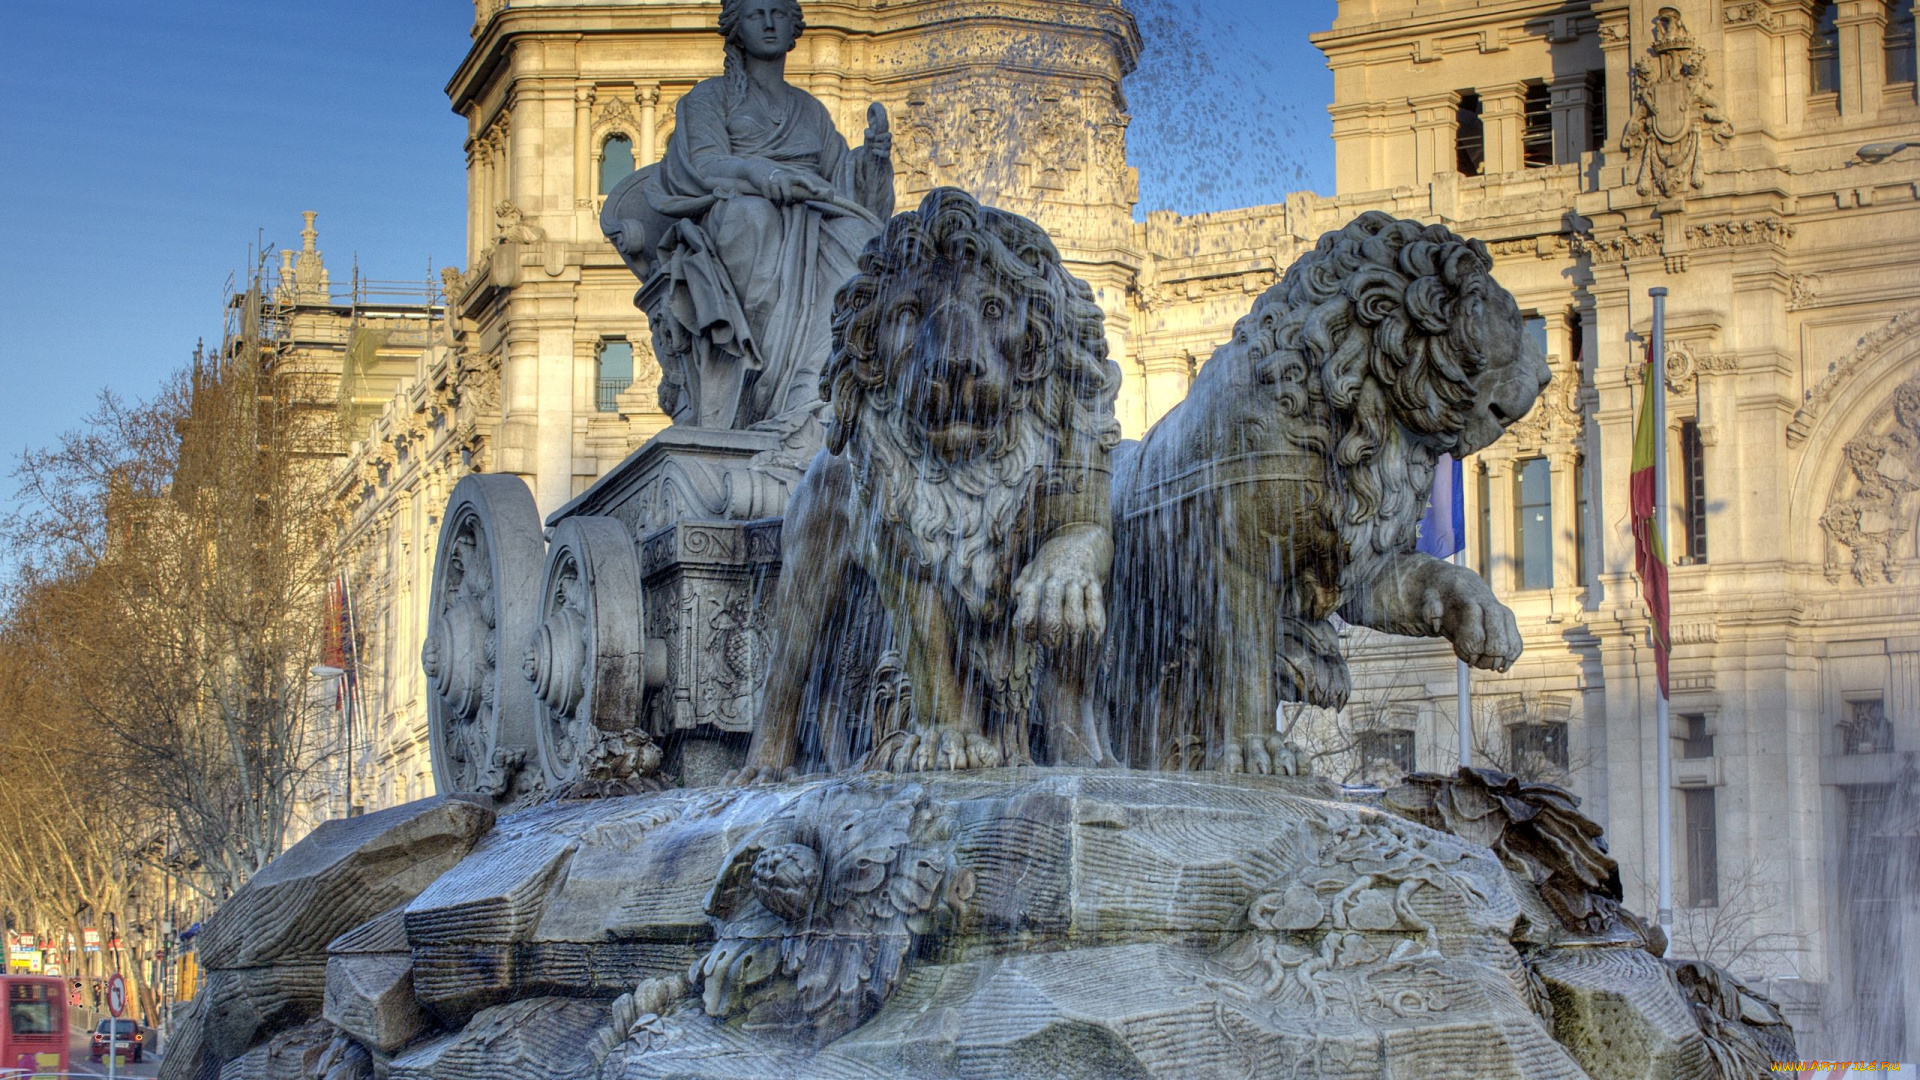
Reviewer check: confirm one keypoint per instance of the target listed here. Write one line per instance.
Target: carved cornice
(1727, 234)
(1616, 248)
(1753, 14)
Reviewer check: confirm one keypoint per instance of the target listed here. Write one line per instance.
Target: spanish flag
(1649, 548)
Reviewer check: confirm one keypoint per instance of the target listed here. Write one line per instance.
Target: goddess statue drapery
(745, 230)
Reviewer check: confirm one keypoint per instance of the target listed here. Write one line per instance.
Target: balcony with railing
(610, 391)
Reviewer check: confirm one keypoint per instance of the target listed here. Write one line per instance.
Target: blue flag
(1443, 529)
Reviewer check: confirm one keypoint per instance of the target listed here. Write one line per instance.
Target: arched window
(616, 161)
(1823, 52)
(1900, 53)
(616, 373)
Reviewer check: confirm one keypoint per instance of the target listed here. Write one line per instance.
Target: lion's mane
(959, 517)
(1366, 342)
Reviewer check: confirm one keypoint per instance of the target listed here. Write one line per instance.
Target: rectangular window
(1537, 749)
(1470, 136)
(1899, 42)
(1536, 134)
(1695, 743)
(616, 373)
(1582, 521)
(34, 1008)
(1693, 490)
(1388, 749)
(1703, 850)
(1823, 52)
(1533, 524)
(1865, 729)
(1597, 110)
(1483, 543)
(1536, 328)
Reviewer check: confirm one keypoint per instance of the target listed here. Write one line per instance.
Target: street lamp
(330, 673)
(1875, 153)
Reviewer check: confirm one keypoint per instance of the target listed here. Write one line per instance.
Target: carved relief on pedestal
(1871, 509)
(1673, 106)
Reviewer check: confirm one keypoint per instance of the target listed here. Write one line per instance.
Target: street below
(79, 1064)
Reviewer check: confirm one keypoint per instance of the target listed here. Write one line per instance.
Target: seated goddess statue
(745, 230)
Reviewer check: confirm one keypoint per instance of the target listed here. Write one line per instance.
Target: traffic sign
(117, 995)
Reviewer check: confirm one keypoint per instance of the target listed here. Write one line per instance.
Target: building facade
(1600, 148)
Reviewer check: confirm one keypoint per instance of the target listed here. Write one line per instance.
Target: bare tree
(176, 558)
(1732, 933)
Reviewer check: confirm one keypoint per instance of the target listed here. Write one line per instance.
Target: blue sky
(144, 146)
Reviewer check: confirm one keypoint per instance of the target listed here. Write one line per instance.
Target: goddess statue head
(762, 29)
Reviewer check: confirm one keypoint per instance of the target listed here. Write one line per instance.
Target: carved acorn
(787, 880)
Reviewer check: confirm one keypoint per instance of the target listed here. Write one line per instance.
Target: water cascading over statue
(890, 716)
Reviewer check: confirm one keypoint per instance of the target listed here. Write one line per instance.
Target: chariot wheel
(586, 661)
(486, 580)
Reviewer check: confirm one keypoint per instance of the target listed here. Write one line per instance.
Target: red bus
(33, 1041)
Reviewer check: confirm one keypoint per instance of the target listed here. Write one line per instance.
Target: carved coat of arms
(1673, 108)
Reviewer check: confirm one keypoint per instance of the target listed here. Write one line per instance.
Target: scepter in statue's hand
(879, 132)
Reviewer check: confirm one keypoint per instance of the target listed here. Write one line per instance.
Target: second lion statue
(964, 485)
(1287, 488)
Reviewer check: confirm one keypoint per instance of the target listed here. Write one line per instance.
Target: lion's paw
(1261, 755)
(927, 749)
(751, 775)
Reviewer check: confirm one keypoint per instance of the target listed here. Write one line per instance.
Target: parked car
(125, 1035)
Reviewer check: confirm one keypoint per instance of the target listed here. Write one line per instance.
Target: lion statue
(964, 486)
(1288, 485)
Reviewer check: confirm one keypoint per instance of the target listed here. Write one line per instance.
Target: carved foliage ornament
(1869, 346)
(1873, 506)
(819, 912)
(1673, 107)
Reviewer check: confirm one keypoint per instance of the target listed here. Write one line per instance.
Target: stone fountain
(890, 716)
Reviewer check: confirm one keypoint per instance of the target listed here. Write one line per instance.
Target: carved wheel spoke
(584, 662)
(479, 711)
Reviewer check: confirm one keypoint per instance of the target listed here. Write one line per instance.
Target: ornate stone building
(1600, 147)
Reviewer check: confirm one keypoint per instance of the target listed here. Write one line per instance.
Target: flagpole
(1463, 691)
(1663, 727)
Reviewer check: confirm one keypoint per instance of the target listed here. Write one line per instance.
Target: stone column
(1566, 531)
(1500, 524)
(584, 180)
(1168, 376)
(524, 148)
(477, 237)
(519, 405)
(1863, 66)
(1572, 104)
(1503, 114)
(1436, 123)
(648, 99)
(825, 80)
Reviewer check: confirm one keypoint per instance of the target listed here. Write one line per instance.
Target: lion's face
(1513, 368)
(955, 342)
